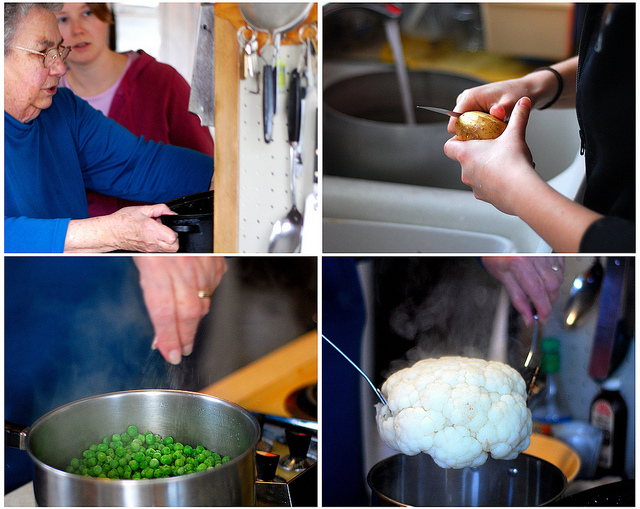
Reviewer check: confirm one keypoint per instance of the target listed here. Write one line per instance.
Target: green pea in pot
(189, 417)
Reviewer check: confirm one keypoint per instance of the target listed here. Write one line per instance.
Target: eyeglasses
(50, 57)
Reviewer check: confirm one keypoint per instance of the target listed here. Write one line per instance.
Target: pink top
(102, 102)
(151, 99)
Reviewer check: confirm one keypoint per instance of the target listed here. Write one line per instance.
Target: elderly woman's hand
(140, 229)
(529, 280)
(128, 229)
(177, 294)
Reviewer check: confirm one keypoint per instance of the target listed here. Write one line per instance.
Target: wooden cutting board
(263, 385)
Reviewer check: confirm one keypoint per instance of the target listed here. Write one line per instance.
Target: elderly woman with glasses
(56, 145)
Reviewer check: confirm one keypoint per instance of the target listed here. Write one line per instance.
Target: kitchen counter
(21, 497)
(420, 54)
(263, 385)
(486, 65)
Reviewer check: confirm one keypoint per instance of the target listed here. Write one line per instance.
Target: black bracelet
(560, 85)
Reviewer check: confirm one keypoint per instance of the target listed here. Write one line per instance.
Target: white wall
(167, 31)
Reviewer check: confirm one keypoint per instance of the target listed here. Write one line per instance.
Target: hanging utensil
(268, 100)
(583, 294)
(202, 96)
(248, 59)
(274, 19)
(287, 232)
(615, 325)
(301, 84)
(294, 117)
(376, 390)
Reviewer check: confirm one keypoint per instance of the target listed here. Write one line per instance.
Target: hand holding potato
(498, 99)
(498, 170)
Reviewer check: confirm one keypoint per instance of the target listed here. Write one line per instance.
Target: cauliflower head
(457, 410)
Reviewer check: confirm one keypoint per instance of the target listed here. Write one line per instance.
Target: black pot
(193, 222)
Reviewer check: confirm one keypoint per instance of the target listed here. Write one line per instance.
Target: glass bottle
(547, 408)
(609, 413)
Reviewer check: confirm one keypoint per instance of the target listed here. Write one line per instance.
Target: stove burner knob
(297, 459)
(298, 443)
(266, 464)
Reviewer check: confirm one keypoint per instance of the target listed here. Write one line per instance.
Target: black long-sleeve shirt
(605, 104)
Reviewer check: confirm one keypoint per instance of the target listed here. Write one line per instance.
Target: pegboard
(264, 168)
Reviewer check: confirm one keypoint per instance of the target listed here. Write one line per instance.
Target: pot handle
(15, 435)
(186, 228)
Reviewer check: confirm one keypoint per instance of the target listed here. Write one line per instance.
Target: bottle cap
(611, 384)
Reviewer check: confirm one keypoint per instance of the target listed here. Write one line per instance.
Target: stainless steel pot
(365, 135)
(417, 481)
(188, 417)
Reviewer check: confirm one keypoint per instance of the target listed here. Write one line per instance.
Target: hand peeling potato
(476, 125)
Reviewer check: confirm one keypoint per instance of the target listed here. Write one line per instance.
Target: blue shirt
(48, 163)
(79, 327)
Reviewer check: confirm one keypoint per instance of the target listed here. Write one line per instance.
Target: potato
(476, 125)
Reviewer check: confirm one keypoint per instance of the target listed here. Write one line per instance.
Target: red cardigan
(152, 100)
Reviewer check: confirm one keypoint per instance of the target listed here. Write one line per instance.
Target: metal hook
(240, 35)
(304, 28)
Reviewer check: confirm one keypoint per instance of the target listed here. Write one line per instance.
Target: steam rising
(447, 307)
(107, 348)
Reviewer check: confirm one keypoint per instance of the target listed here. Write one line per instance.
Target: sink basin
(360, 216)
(364, 134)
(382, 237)
(365, 197)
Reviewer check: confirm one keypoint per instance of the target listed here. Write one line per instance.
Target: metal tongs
(376, 390)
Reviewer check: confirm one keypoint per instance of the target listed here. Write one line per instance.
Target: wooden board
(225, 178)
(263, 385)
